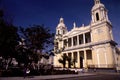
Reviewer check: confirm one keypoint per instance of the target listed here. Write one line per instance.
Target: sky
(48, 12)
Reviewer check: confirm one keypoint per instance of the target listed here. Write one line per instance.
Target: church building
(90, 46)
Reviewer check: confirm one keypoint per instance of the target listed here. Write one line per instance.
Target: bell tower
(99, 12)
(61, 29)
(100, 24)
(102, 37)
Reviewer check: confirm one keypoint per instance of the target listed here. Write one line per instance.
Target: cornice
(97, 24)
(76, 32)
(90, 45)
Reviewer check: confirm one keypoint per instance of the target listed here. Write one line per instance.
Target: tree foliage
(37, 37)
(69, 61)
(8, 38)
(8, 41)
(63, 60)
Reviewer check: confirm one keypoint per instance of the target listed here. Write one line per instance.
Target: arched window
(58, 32)
(63, 31)
(97, 16)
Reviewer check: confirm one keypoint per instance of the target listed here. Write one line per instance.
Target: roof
(96, 6)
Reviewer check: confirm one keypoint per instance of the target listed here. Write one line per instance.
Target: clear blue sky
(27, 12)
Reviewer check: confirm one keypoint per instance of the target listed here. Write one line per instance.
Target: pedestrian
(26, 72)
(94, 70)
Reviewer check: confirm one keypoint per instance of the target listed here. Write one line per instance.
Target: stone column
(72, 54)
(107, 16)
(78, 56)
(102, 14)
(72, 58)
(67, 42)
(91, 35)
(85, 59)
(84, 38)
(72, 41)
(77, 39)
(92, 17)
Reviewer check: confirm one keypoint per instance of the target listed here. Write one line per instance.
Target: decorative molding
(89, 45)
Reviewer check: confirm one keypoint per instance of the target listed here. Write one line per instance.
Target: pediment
(73, 32)
(77, 31)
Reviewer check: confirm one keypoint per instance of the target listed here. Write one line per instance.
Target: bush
(57, 72)
(12, 72)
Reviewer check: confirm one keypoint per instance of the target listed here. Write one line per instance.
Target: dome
(61, 25)
(61, 20)
(96, 6)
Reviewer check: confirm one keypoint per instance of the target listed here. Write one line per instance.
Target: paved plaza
(81, 76)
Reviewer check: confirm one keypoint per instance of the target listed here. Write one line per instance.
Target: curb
(66, 76)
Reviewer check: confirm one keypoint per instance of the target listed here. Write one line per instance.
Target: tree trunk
(8, 62)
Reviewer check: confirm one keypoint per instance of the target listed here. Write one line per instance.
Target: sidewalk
(47, 77)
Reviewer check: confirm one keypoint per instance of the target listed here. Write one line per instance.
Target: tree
(37, 39)
(23, 55)
(8, 39)
(69, 61)
(74, 61)
(63, 60)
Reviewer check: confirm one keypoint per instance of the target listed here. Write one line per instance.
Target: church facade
(90, 46)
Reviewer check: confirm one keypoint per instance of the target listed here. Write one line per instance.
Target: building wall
(103, 56)
(56, 62)
(100, 33)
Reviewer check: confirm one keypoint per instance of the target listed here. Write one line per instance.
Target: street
(96, 77)
(81, 76)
